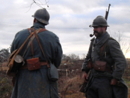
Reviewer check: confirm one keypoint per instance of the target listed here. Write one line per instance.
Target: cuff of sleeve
(116, 76)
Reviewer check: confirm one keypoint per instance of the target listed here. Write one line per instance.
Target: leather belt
(41, 63)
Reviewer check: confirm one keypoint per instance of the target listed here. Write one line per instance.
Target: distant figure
(35, 83)
(104, 65)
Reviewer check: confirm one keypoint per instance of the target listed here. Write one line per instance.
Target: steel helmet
(42, 15)
(99, 21)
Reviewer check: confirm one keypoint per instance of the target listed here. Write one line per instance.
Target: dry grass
(68, 85)
(3, 67)
(5, 86)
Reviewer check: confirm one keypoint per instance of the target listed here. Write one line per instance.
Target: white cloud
(120, 12)
(20, 2)
(70, 20)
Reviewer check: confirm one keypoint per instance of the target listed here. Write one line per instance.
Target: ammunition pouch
(33, 64)
(100, 66)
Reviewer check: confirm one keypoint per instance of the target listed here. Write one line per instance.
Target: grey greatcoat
(35, 84)
(112, 54)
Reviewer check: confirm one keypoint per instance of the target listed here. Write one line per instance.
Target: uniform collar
(101, 40)
(38, 25)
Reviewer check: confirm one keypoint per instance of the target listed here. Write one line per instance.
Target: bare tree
(124, 42)
(39, 3)
(74, 57)
(4, 54)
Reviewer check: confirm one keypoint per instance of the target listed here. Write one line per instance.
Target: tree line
(4, 55)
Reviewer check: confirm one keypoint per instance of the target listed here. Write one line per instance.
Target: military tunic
(100, 86)
(35, 84)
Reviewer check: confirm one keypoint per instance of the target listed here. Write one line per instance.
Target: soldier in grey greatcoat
(35, 83)
(105, 65)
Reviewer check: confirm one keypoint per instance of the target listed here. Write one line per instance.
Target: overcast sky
(69, 19)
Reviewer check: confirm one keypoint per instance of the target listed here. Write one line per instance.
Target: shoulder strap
(32, 33)
(103, 47)
(39, 42)
(18, 50)
(105, 43)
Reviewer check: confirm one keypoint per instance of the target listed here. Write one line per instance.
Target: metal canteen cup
(18, 59)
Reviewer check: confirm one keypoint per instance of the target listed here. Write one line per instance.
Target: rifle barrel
(107, 12)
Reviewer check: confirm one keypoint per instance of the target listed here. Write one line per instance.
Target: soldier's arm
(119, 59)
(58, 53)
(85, 66)
(13, 45)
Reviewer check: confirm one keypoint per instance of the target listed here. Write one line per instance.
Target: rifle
(85, 85)
(107, 12)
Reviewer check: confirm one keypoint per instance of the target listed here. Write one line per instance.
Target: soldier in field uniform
(105, 65)
(35, 83)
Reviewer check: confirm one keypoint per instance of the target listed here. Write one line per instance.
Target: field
(68, 84)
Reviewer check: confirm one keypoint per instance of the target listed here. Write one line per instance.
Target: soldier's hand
(114, 81)
(85, 76)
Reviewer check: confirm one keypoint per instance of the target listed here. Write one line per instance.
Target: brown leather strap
(32, 50)
(40, 46)
(41, 63)
(32, 32)
(19, 49)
